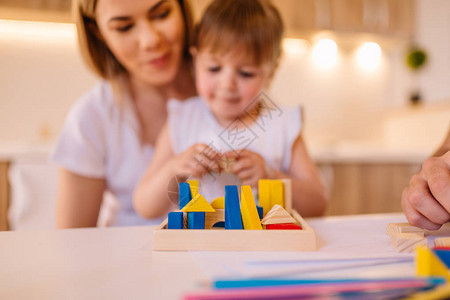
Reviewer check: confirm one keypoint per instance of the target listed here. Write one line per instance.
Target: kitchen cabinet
(60, 5)
(389, 17)
(365, 187)
(4, 195)
(36, 10)
(301, 18)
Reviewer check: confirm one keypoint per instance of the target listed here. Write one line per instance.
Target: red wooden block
(442, 248)
(283, 226)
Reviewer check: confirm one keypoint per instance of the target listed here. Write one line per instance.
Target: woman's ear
(92, 27)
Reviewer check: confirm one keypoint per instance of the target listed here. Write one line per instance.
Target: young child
(233, 133)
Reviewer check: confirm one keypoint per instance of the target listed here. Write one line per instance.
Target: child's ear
(193, 51)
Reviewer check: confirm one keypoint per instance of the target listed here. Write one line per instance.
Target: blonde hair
(254, 25)
(97, 54)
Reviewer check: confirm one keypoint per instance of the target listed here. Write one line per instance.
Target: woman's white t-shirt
(102, 140)
(271, 135)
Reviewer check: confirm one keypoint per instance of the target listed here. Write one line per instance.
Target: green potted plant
(416, 58)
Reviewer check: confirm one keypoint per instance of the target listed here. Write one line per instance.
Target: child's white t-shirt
(271, 135)
(101, 140)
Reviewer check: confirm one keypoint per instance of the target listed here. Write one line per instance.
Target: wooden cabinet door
(359, 188)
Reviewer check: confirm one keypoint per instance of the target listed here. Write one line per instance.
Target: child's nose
(228, 81)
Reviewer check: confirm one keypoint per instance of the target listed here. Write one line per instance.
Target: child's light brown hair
(253, 25)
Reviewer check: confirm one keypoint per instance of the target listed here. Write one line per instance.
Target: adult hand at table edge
(426, 200)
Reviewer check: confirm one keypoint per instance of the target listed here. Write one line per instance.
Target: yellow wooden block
(276, 193)
(249, 213)
(428, 264)
(193, 184)
(287, 193)
(264, 195)
(198, 203)
(218, 203)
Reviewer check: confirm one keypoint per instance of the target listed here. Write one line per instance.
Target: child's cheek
(202, 83)
(252, 90)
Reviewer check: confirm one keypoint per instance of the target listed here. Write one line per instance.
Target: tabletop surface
(118, 263)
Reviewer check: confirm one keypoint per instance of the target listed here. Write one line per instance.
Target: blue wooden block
(175, 220)
(260, 211)
(233, 219)
(196, 220)
(444, 256)
(184, 194)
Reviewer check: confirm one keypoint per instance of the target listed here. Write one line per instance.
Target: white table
(118, 263)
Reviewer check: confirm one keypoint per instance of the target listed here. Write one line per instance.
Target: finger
(241, 165)
(207, 162)
(245, 174)
(232, 154)
(420, 198)
(437, 173)
(207, 151)
(414, 217)
(197, 169)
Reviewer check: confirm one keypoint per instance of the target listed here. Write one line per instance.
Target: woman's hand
(249, 167)
(197, 160)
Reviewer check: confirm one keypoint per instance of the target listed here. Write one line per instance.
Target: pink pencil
(304, 290)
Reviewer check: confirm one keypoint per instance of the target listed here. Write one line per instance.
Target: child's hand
(249, 167)
(197, 160)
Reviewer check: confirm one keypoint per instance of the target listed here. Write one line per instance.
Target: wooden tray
(236, 240)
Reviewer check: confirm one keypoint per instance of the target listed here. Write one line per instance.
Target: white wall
(347, 104)
(40, 78)
(433, 33)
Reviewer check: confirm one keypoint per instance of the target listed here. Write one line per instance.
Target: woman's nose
(149, 36)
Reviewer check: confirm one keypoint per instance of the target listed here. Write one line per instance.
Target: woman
(140, 49)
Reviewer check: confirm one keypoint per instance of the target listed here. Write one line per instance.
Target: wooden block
(225, 163)
(428, 264)
(408, 228)
(285, 226)
(236, 240)
(264, 195)
(196, 220)
(287, 188)
(249, 213)
(233, 218)
(443, 242)
(404, 238)
(184, 194)
(260, 212)
(198, 203)
(193, 184)
(276, 193)
(218, 203)
(175, 220)
(212, 218)
(277, 215)
(444, 256)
